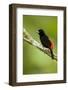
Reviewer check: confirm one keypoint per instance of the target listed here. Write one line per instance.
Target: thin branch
(28, 38)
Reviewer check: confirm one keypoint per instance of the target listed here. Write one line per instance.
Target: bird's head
(41, 32)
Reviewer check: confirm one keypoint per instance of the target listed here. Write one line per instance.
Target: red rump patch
(52, 45)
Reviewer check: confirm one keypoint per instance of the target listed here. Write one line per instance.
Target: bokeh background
(34, 60)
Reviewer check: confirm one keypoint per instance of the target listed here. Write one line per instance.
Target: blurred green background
(34, 60)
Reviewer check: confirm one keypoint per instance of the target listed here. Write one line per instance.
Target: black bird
(46, 41)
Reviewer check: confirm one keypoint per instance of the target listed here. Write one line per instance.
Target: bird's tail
(52, 55)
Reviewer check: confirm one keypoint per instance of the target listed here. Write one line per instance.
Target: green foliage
(34, 60)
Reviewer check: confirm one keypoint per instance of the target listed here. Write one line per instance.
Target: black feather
(45, 41)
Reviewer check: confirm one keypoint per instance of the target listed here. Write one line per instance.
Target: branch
(28, 38)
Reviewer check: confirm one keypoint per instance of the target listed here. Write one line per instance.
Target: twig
(28, 38)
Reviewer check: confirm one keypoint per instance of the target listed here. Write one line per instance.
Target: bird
(46, 42)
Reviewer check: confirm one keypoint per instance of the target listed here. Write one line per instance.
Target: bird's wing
(45, 41)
